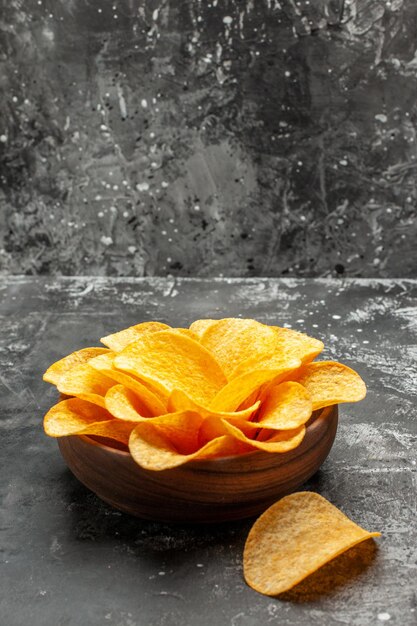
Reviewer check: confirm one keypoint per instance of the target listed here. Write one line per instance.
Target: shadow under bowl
(215, 490)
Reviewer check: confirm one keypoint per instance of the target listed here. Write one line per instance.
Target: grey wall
(192, 137)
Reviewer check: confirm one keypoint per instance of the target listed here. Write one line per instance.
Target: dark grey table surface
(68, 559)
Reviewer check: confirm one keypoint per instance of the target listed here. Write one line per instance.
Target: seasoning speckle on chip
(218, 388)
(293, 539)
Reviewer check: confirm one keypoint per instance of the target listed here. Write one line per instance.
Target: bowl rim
(315, 420)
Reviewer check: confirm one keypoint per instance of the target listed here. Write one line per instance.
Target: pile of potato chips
(215, 389)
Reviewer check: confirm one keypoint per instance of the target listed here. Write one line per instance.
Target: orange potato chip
(187, 332)
(233, 341)
(124, 404)
(156, 448)
(280, 441)
(84, 382)
(298, 345)
(285, 406)
(288, 345)
(329, 383)
(230, 397)
(212, 426)
(293, 539)
(179, 401)
(199, 327)
(156, 405)
(79, 417)
(169, 360)
(55, 372)
(118, 341)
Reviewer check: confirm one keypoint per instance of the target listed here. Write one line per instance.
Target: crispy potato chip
(124, 404)
(293, 539)
(230, 397)
(212, 425)
(187, 332)
(55, 372)
(329, 383)
(79, 417)
(169, 360)
(286, 406)
(280, 441)
(288, 345)
(179, 401)
(233, 341)
(151, 445)
(118, 341)
(84, 382)
(156, 405)
(298, 345)
(199, 327)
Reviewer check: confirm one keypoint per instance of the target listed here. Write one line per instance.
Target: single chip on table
(293, 539)
(79, 417)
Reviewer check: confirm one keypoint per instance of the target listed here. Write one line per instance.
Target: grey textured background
(182, 137)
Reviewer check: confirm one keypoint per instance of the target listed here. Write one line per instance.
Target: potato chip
(54, 373)
(285, 406)
(155, 404)
(124, 404)
(179, 401)
(118, 341)
(199, 327)
(293, 539)
(156, 448)
(234, 340)
(169, 360)
(232, 395)
(214, 426)
(280, 441)
(329, 383)
(84, 382)
(180, 426)
(79, 417)
(288, 345)
(298, 345)
(187, 332)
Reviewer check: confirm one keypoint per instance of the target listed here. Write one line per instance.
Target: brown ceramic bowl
(217, 490)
